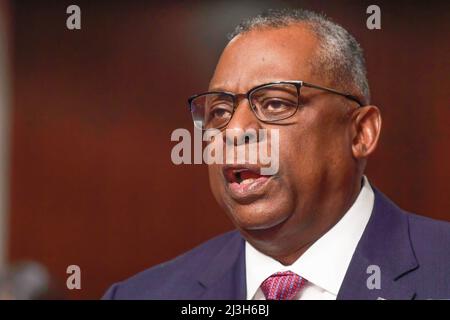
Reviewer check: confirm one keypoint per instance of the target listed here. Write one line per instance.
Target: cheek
(312, 153)
(303, 157)
(215, 182)
(299, 150)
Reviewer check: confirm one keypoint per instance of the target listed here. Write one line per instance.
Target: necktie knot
(282, 286)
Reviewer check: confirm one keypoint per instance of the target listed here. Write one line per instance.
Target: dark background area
(92, 182)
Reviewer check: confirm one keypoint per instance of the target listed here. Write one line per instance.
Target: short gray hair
(340, 56)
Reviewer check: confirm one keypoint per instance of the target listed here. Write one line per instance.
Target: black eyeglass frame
(297, 83)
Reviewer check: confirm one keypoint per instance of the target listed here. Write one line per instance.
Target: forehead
(264, 55)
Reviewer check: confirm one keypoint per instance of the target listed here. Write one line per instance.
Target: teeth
(247, 181)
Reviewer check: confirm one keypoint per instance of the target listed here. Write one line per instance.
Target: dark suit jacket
(412, 252)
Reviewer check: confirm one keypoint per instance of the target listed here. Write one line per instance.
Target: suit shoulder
(428, 227)
(430, 237)
(165, 279)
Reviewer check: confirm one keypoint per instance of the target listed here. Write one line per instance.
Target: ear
(366, 128)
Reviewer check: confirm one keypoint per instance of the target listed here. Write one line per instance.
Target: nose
(243, 127)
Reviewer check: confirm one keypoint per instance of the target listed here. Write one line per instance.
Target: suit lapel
(385, 247)
(224, 277)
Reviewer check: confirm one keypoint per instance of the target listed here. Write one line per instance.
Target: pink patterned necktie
(282, 286)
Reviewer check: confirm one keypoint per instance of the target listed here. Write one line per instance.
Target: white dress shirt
(325, 263)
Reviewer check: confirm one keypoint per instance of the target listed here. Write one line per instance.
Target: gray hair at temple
(340, 56)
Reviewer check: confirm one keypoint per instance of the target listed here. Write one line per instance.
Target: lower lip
(249, 191)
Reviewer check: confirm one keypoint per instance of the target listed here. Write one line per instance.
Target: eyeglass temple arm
(348, 96)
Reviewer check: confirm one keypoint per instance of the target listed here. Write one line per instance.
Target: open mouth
(245, 181)
(244, 176)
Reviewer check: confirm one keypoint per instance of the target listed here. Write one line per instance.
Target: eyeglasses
(270, 102)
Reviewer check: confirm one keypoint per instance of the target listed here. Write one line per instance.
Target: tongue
(249, 175)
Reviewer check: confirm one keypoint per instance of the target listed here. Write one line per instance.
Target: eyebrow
(218, 89)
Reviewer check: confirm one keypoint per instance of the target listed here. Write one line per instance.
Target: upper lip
(231, 171)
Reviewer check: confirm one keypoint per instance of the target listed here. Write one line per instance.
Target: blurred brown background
(91, 181)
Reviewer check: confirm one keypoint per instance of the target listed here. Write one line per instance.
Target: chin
(259, 216)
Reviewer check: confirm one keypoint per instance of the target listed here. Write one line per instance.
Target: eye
(220, 111)
(277, 105)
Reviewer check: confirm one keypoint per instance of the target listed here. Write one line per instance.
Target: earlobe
(366, 131)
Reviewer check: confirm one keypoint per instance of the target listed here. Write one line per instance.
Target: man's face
(316, 166)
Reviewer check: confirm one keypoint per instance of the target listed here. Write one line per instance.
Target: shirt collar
(326, 261)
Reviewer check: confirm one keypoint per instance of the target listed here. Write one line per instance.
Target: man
(316, 229)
